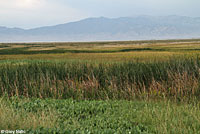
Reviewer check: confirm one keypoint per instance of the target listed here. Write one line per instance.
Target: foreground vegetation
(113, 87)
(70, 116)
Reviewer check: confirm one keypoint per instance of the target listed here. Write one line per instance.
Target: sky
(36, 13)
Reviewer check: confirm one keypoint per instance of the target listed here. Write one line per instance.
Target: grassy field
(111, 116)
(101, 51)
(101, 87)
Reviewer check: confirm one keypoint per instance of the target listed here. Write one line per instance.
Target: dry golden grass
(41, 48)
(113, 51)
(121, 56)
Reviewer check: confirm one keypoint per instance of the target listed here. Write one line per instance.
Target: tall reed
(176, 78)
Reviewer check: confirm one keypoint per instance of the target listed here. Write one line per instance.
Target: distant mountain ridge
(99, 29)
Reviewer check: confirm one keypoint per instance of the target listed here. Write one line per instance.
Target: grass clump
(14, 118)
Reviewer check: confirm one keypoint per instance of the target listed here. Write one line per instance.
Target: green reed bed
(176, 78)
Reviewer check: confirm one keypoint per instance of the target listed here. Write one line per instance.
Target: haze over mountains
(102, 29)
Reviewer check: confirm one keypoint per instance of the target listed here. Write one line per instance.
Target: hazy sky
(34, 13)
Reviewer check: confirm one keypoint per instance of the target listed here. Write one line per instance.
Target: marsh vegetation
(101, 87)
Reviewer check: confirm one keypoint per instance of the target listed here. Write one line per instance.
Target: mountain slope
(124, 28)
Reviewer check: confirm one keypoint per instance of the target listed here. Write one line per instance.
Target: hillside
(96, 29)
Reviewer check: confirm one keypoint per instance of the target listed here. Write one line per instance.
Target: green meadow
(128, 87)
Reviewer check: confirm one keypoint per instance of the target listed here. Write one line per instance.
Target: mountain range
(105, 29)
